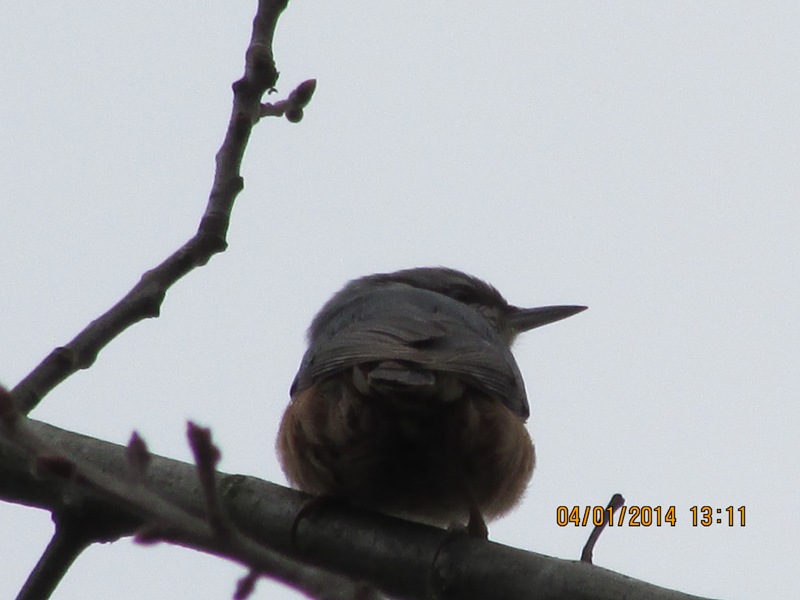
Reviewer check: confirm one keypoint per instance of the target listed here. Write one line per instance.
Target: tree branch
(145, 298)
(76, 528)
(163, 519)
(400, 558)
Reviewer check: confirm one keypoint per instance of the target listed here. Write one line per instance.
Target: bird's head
(507, 320)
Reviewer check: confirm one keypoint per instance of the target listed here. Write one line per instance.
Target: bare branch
(165, 521)
(145, 298)
(613, 505)
(76, 530)
(402, 559)
(64, 547)
(245, 586)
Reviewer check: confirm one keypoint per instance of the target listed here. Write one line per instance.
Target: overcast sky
(637, 157)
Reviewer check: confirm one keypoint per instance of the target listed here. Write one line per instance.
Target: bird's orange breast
(430, 459)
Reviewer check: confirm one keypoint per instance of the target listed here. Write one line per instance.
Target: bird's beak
(525, 319)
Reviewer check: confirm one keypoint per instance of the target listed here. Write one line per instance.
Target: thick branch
(403, 559)
(163, 520)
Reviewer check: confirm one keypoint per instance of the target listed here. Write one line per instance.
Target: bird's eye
(488, 313)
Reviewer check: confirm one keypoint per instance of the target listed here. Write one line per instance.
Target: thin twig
(245, 586)
(76, 530)
(613, 505)
(64, 547)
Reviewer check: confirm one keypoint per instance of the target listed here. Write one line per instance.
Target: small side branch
(75, 530)
(64, 547)
(613, 505)
(292, 107)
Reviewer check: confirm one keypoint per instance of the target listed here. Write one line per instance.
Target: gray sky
(640, 158)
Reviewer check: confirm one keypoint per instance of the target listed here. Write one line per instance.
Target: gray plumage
(419, 326)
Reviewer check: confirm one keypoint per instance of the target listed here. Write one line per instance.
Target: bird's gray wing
(441, 340)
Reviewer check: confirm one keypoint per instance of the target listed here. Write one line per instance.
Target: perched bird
(408, 400)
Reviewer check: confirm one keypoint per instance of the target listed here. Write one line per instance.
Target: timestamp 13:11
(705, 516)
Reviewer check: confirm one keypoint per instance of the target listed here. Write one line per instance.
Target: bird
(409, 402)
